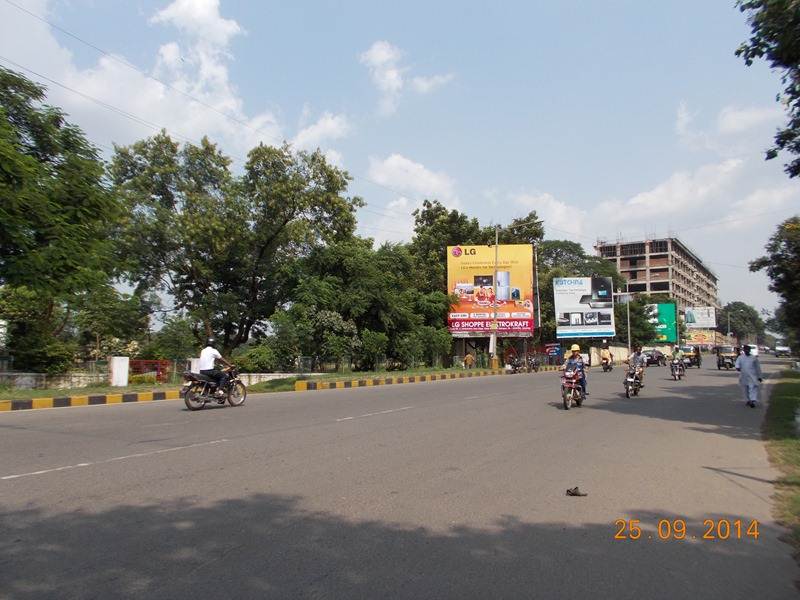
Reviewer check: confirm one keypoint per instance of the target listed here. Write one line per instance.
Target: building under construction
(663, 266)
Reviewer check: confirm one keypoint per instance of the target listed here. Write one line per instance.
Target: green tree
(104, 312)
(56, 216)
(435, 228)
(176, 340)
(782, 265)
(225, 247)
(745, 322)
(373, 348)
(55, 212)
(643, 332)
(775, 26)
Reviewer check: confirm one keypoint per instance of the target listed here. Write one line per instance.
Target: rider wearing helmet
(574, 362)
(208, 357)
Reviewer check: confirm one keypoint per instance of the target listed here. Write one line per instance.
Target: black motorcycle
(533, 364)
(633, 382)
(607, 364)
(678, 369)
(199, 390)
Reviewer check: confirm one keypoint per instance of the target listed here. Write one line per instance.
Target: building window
(659, 286)
(632, 249)
(608, 251)
(637, 287)
(659, 246)
(633, 275)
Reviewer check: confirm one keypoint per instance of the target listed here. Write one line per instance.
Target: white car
(783, 351)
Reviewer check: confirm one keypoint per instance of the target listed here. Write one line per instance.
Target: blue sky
(610, 118)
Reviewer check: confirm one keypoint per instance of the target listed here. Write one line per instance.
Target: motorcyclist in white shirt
(638, 360)
(208, 357)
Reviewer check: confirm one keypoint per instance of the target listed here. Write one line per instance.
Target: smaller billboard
(700, 317)
(584, 307)
(664, 317)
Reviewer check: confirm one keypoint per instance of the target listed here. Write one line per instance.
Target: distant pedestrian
(749, 376)
(469, 361)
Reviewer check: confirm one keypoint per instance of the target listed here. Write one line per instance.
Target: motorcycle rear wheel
(193, 400)
(238, 394)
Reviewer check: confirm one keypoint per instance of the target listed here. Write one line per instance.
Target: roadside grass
(283, 384)
(783, 448)
(287, 384)
(11, 393)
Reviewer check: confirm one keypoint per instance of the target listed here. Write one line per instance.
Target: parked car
(655, 357)
(783, 351)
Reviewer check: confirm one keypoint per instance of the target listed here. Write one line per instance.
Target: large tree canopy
(775, 28)
(782, 265)
(55, 213)
(224, 247)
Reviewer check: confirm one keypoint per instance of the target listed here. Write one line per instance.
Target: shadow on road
(715, 409)
(267, 546)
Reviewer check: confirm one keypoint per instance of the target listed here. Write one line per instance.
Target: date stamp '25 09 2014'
(675, 529)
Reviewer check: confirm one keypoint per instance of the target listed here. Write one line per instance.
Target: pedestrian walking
(469, 360)
(750, 377)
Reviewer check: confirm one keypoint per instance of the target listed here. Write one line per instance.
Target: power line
(129, 65)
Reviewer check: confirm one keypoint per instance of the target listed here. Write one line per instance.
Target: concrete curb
(299, 386)
(90, 400)
(309, 386)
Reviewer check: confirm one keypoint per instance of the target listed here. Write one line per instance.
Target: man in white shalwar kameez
(749, 376)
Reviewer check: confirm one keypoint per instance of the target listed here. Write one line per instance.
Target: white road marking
(383, 412)
(115, 459)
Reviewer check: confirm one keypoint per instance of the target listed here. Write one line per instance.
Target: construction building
(663, 266)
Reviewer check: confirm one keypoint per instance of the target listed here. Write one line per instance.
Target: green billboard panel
(664, 317)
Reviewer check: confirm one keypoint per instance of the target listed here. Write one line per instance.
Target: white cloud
(396, 224)
(388, 75)
(405, 175)
(327, 127)
(382, 59)
(732, 120)
(197, 66)
(759, 204)
(685, 189)
(200, 19)
(425, 85)
(559, 217)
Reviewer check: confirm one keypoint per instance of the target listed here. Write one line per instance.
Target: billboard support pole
(493, 340)
(538, 321)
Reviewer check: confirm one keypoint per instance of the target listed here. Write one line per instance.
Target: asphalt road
(452, 489)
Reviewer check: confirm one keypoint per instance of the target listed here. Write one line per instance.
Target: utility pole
(493, 339)
(627, 299)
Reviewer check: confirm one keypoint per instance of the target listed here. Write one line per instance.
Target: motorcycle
(199, 390)
(633, 382)
(678, 369)
(533, 364)
(516, 364)
(571, 390)
(607, 365)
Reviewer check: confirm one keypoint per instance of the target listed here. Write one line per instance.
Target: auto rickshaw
(726, 357)
(691, 357)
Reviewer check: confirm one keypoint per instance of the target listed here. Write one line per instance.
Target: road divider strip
(87, 400)
(310, 385)
(299, 386)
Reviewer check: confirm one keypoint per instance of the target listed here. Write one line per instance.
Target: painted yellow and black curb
(89, 400)
(307, 386)
(299, 386)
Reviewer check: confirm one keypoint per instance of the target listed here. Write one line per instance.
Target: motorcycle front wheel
(193, 400)
(579, 399)
(238, 394)
(627, 391)
(566, 397)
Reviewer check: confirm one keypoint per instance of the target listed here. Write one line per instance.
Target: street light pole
(493, 340)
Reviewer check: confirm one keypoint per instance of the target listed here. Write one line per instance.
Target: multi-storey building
(663, 266)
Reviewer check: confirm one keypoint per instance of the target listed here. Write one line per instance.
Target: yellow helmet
(575, 348)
